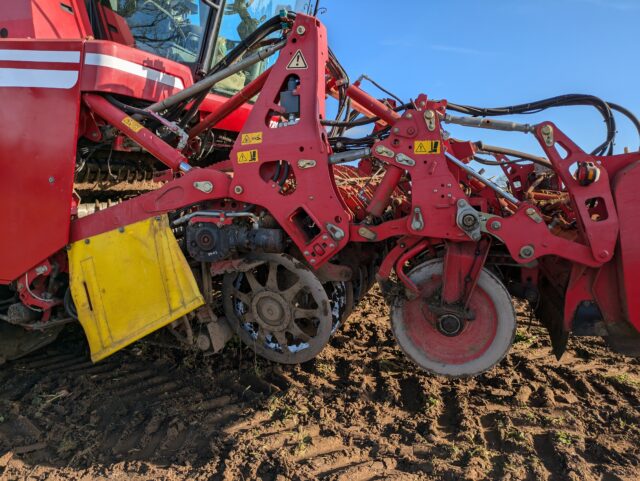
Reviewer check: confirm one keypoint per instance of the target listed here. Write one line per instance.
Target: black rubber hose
(267, 28)
(627, 113)
(129, 109)
(540, 105)
(358, 123)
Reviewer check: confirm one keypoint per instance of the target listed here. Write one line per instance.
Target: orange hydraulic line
(243, 96)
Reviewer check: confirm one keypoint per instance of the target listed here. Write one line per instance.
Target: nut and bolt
(495, 225)
(469, 220)
(300, 30)
(526, 252)
(41, 270)
(238, 189)
(546, 129)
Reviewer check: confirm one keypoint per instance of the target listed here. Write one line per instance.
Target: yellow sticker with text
(132, 124)
(426, 147)
(247, 156)
(252, 138)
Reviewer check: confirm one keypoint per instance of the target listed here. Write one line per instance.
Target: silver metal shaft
(485, 181)
(349, 155)
(208, 82)
(485, 123)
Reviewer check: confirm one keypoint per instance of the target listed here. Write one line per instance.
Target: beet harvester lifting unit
(170, 164)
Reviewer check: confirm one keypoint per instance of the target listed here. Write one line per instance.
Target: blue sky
(498, 52)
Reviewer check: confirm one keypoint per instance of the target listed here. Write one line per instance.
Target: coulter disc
(446, 343)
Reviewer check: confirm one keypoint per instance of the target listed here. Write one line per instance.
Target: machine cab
(195, 33)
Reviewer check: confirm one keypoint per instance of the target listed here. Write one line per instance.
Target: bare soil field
(360, 411)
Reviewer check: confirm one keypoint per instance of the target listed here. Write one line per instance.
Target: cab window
(240, 18)
(173, 29)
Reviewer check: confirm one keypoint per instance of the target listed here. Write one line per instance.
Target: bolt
(379, 149)
(332, 246)
(546, 129)
(423, 104)
(469, 220)
(300, 30)
(604, 254)
(86, 241)
(526, 252)
(52, 180)
(325, 237)
(94, 135)
(306, 253)
(313, 261)
(429, 114)
(409, 115)
(462, 203)
(238, 189)
(531, 211)
(495, 225)
(396, 130)
(121, 229)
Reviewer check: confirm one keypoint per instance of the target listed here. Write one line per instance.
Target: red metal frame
(603, 250)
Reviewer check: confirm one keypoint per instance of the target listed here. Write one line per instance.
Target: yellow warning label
(252, 138)
(298, 62)
(426, 147)
(132, 124)
(247, 156)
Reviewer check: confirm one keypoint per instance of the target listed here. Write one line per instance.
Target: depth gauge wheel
(280, 309)
(447, 344)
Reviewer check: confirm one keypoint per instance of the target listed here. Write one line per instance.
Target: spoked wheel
(445, 343)
(280, 309)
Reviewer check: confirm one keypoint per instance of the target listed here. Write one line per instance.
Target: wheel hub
(450, 325)
(271, 310)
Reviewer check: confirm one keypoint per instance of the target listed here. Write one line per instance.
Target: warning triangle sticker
(421, 149)
(298, 62)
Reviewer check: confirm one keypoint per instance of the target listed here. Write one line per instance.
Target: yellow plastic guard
(129, 282)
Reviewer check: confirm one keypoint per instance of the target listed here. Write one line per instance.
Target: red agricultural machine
(171, 164)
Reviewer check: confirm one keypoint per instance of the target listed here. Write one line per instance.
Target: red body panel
(40, 108)
(45, 19)
(627, 196)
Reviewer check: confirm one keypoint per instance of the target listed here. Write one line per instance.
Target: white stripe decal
(53, 56)
(101, 60)
(52, 79)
